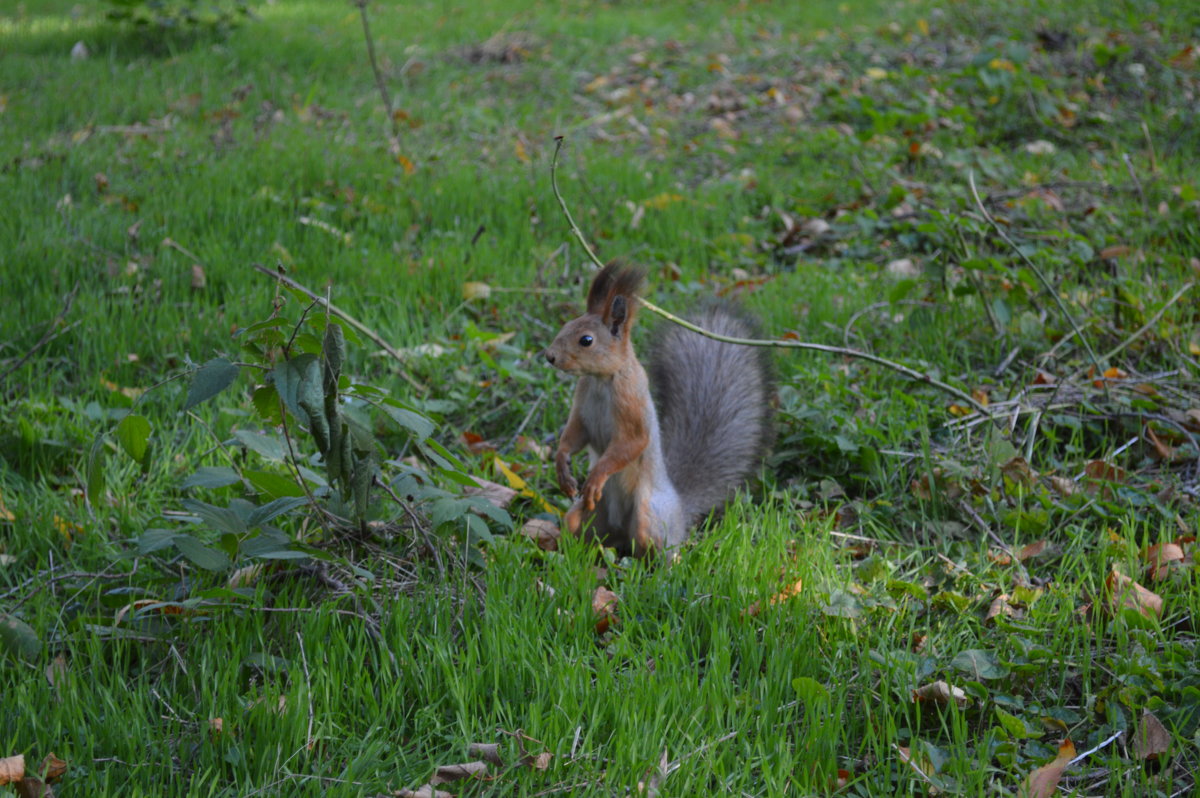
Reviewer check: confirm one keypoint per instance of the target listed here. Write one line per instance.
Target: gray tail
(713, 403)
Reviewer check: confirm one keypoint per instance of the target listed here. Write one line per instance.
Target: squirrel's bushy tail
(713, 404)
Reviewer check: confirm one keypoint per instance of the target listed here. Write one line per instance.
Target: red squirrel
(658, 465)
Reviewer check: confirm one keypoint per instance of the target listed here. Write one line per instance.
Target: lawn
(936, 583)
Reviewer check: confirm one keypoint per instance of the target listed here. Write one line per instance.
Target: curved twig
(911, 373)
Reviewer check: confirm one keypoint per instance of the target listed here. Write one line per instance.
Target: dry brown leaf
(424, 791)
(1160, 558)
(941, 693)
(783, 595)
(604, 605)
(199, 280)
(216, 727)
(33, 787)
(1043, 782)
(537, 762)
(463, 770)
(917, 644)
(56, 670)
(52, 768)
(650, 786)
(542, 532)
(1162, 449)
(489, 752)
(1152, 738)
(999, 606)
(1018, 470)
(1098, 469)
(1064, 486)
(497, 494)
(12, 769)
(1126, 593)
(1032, 550)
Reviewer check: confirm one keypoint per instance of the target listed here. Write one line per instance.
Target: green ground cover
(813, 159)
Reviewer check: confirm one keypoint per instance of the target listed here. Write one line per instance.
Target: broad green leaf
(842, 604)
(1014, 727)
(410, 420)
(211, 477)
(273, 485)
(979, 664)
(268, 446)
(153, 540)
(809, 689)
(222, 519)
(18, 639)
(288, 378)
(477, 530)
(209, 380)
(273, 509)
(266, 402)
(201, 556)
(133, 433)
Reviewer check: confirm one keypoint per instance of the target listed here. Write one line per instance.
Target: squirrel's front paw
(566, 482)
(593, 489)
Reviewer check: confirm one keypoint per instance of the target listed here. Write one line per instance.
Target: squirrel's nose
(549, 356)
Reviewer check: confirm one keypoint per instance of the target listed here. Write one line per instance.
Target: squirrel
(660, 462)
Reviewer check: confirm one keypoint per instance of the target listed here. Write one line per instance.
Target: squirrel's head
(597, 343)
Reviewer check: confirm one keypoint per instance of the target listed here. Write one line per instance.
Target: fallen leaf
(198, 278)
(33, 787)
(5, 513)
(499, 495)
(56, 670)
(1160, 558)
(1018, 470)
(1162, 450)
(542, 532)
(473, 291)
(604, 605)
(1032, 550)
(464, 770)
(1043, 782)
(1113, 373)
(783, 595)
(1126, 593)
(12, 769)
(941, 693)
(650, 786)
(424, 791)
(1106, 472)
(489, 752)
(537, 762)
(216, 727)
(1064, 486)
(999, 606)
(1152, 738)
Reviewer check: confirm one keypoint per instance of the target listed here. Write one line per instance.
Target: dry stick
(346, 317)
(416, 522)
(50, 334)
(1034, 268)
(383, 92)
(912, 374)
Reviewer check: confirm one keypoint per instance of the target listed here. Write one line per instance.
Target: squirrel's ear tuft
(615, 279)
(617, 313)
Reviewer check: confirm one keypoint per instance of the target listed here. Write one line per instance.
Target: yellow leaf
(923, 26)
(67, 529)
(409, 166)
(959, 410)
(5, 513)
(661, 201)
(476, 291)
(519, 148)
(516, 483)
(1002, 63)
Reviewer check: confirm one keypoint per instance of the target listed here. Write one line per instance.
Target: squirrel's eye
(585, 340)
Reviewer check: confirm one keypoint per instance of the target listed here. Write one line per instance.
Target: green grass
(866, 116)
